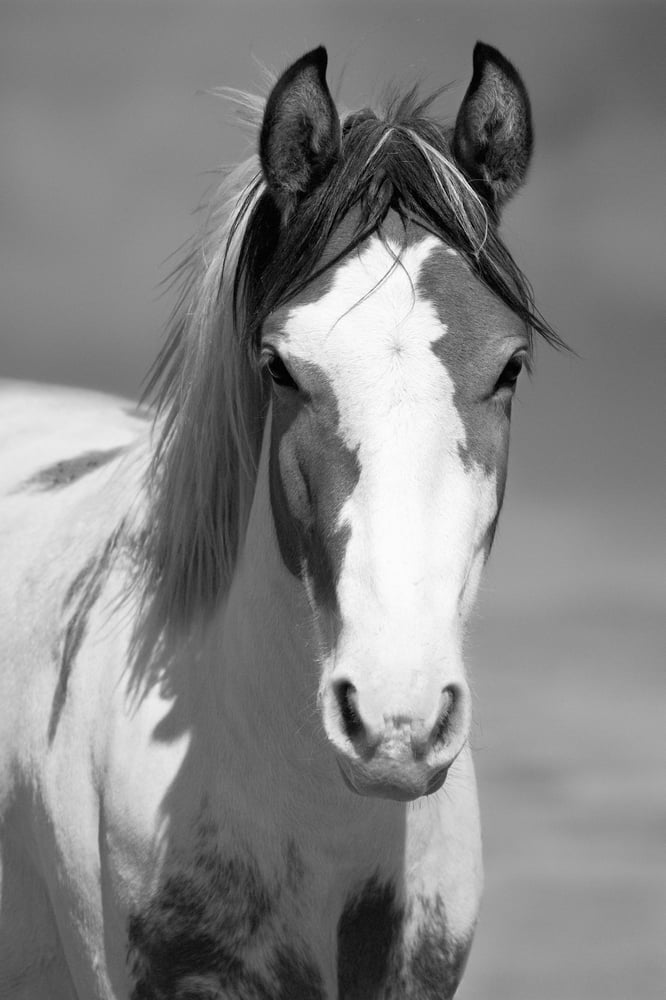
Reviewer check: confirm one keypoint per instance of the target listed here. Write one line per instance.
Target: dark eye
(279, 372)
(510, 373)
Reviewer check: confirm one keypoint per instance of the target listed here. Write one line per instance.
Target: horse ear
(300, 133)
(492, 138)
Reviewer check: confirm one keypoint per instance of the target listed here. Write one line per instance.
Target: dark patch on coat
(368, 938)
(312, 473)
(374, 960)
(69, 470)
(435, 962)
(80, 598)
(473, 352)
(213, 930)
(176, 941)
(435, 967)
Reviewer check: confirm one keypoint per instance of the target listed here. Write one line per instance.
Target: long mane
(210, 397)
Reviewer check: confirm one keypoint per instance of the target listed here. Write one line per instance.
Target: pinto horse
(235, 757)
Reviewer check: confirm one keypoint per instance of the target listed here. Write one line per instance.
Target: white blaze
(417, 516)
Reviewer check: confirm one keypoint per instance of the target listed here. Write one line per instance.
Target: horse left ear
(300, 134)
(492, 139)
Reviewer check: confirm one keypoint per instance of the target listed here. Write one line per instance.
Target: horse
(235, 720)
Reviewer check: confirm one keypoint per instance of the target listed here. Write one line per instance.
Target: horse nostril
(345, 694)
(448, 703)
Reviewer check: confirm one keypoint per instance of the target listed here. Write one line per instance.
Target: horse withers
(234, 713)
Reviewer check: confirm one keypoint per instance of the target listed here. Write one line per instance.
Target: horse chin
(390, 783)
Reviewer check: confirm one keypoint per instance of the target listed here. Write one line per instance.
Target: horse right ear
(300, 133)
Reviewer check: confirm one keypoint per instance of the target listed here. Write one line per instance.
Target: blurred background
(106, 141)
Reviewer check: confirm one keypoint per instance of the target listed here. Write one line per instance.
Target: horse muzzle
(398, 756)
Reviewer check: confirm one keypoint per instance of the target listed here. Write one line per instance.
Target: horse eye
(279, 372)
(510, 373)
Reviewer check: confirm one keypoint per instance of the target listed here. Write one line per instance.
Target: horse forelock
(210, 397)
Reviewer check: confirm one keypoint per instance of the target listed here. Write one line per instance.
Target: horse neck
(267, 640)
(267, 646)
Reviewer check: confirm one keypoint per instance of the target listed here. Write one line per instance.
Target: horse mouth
(391, 782)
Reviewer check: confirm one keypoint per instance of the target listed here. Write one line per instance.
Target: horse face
(393, 378)
(392, 386)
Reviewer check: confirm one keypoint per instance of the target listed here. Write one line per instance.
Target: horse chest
(219, 928)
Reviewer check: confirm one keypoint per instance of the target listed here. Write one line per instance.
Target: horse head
(392, 367)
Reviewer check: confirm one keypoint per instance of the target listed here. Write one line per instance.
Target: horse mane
(206, 384)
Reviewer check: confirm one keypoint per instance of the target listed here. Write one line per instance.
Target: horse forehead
(366, 301)
(372, 339)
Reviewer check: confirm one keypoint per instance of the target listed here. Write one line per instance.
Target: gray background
(104, 149)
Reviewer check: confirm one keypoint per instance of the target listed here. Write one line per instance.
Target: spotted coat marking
(377, 962)
(69, 470)
(81, 597)
(213, 931)
(368, 936)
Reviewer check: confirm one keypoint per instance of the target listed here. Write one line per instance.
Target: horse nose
(400, 749)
